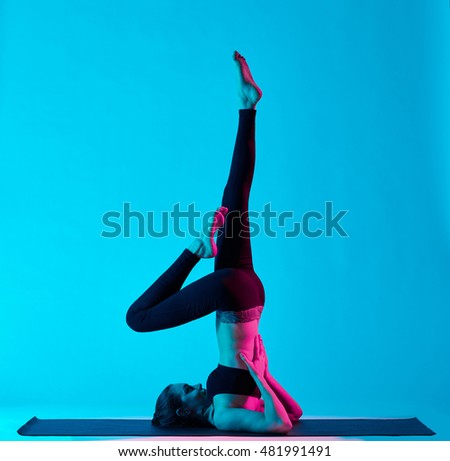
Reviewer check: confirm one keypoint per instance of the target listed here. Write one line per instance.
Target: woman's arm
(274, 418)
(293, 409)
(274, 408)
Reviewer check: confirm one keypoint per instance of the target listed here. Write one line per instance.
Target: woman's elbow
(282, 428)
(295, 416)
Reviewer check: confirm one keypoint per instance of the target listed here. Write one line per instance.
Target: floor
(14, 417)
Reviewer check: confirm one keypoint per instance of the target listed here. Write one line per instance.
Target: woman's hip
(243, 291)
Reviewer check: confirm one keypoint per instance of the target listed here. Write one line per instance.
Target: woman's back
(234, 338)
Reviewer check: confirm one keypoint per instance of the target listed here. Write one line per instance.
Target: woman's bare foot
(249, 91)
(205, 246)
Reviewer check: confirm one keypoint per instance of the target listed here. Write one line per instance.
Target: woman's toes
(218, 220)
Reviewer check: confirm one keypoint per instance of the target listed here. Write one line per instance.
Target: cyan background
(105, 102)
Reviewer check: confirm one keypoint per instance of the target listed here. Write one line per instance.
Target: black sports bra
(228, 380)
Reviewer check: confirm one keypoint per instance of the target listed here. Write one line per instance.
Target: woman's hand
(266, 370)
(259, 363)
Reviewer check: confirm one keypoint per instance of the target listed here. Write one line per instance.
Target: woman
(240, 394)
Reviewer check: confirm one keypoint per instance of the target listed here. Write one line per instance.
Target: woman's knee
(135, 322)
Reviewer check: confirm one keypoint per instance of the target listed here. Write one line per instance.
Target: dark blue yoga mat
(143, 427)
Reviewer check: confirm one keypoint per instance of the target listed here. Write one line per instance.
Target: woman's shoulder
(223, 402)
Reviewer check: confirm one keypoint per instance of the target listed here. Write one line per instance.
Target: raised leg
(233, 242)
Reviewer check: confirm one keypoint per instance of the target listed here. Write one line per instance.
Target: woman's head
(181, 405)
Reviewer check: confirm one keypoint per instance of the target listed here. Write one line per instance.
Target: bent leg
(164, 305)
(169, 283)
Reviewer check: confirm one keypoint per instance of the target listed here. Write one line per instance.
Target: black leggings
(234, 285)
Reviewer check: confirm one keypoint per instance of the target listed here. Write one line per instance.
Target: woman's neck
(208, 414)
